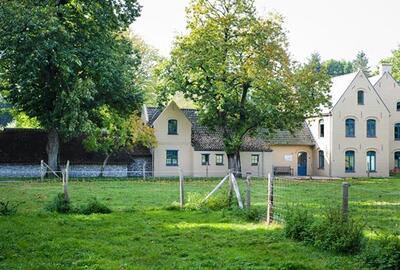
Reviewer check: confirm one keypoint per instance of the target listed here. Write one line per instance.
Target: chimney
(385, 68)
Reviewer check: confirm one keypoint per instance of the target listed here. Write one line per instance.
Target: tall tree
(150, 58)
(338, 67)
(236, 68)
(361, 63)
(63, 59)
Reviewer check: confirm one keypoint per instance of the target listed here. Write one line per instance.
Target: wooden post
(345, 201)
(181, 190)
(65, 181)
(42, 170)
(270, 205)
(237, 191)
(144, 171)
(248, 191)
(230, 192)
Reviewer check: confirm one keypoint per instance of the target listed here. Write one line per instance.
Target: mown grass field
(142, 234)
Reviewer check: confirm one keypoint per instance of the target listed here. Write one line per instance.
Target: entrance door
(302, 164)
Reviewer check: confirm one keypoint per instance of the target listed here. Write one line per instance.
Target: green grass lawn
(142, 234)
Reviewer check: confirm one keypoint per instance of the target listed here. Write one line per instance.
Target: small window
(398, 106)
(172, 158)
(350, 161)
(360, 97)
(205, 159)
(397, 132)
(321, 128)
(219, 159)
(371, 161)
(172, 127)
(321, 160)
(350, 127)
(371, 128)
(255, 160)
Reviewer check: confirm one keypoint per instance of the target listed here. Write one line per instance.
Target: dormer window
(360, 97)
(172, 127)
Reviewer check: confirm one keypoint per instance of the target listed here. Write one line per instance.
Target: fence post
(345, 200)
(248, 191)
(230, 192)
(42, 171)
(144, 170)
(270, 206)
(181, 190)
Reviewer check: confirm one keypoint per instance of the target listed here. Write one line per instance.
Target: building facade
(358, 136)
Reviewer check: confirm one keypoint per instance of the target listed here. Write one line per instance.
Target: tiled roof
(204, 139)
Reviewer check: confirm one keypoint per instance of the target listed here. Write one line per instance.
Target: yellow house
(185, 145)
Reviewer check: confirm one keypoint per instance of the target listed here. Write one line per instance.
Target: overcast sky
(335, 28)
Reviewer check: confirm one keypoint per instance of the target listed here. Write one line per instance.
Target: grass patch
(141, 233)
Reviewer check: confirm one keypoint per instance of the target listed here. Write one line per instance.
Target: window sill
(350, 136)
(350, 171)
(222, 164)
(172, 165)
(321, 168)
(372, 137)
(254, 165)
(172, 133)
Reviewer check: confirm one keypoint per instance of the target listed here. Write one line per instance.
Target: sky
(336, 29)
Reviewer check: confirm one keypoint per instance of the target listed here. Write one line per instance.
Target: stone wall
(134, 169)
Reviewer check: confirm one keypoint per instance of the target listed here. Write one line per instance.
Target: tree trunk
(103, 167)
(234, 164)
(52, 149)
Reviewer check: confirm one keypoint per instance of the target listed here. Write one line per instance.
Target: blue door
(302, 164)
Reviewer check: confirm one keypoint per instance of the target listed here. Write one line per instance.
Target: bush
(60, 204)
(94, 207)
(8, 209)
(337, 233)
(384, 253)
(298, 224)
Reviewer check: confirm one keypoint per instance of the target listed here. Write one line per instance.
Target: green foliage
(292, 266)
(94, 207)
(395, 61)
(338, 67)
(61, 62)
(236, 68)
(383, 253)
(361, 63)
(7, 208)
(333, 232)
(298, 224)
(59, 204)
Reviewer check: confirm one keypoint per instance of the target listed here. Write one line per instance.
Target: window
(397, 159)
(350, 161)
(397, 132)
(398, 106)
(254, 160)
(371, 161)
(321, 160)
(219, 159)
(172, 158)
(350, 127)
(172, 127)
(360, 97)
(371, 128)
(205, 159)
(321, 128)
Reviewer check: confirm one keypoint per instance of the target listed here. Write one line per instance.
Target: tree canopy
(361, 63)
(395, 61)
(63, 61)
(236, 68)
(338, 67)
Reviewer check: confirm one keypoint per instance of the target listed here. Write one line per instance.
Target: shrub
(337, 233)
(8, 209)
(251, 215)
(298, 223)
(384, 253)
(60, 204)
(93, 207)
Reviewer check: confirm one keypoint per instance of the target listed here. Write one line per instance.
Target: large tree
(361, 63)
(61, 60)
(395, 61)
(236, 67)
